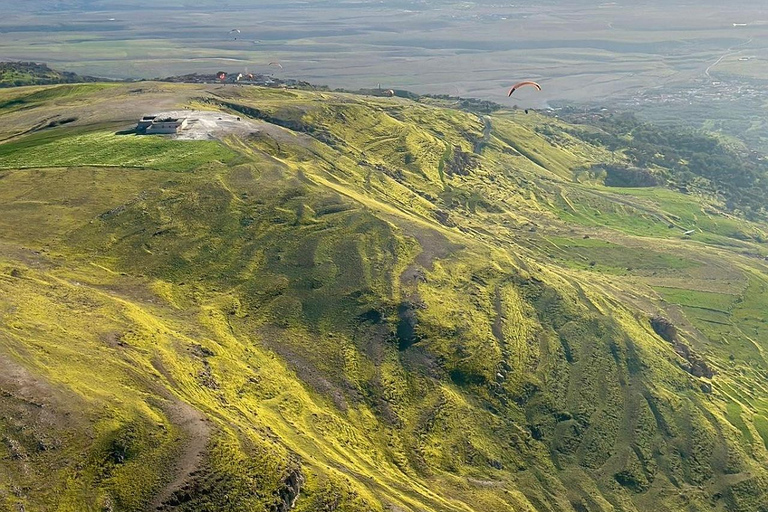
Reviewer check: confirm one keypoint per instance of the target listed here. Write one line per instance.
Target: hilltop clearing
(363, 303)
(210, 124)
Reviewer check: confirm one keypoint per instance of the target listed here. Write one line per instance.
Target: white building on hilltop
(150, 125)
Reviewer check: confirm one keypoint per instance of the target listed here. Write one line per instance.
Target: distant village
(704, 90)
(240, 78)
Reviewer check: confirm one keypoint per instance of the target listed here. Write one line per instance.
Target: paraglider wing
(523, 84)
(234, 31)
(277, 64)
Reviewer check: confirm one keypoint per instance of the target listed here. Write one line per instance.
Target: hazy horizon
(581, 51)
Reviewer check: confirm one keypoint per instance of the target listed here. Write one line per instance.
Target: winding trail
(728, 53)
(197, 431)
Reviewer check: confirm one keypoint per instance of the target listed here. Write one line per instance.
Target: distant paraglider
(523, 84)
(275, 64)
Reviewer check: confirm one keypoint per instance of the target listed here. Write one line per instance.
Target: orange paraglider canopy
(523, 84)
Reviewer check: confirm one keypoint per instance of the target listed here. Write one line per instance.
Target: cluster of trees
(685, 158)
(474, 105)
(628, 176)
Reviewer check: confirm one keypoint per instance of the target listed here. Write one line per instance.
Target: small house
(151, 125)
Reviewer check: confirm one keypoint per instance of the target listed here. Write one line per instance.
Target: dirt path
(36, 402)
(728, 53)
(197, 430)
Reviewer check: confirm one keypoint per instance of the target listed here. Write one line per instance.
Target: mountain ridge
(369, 309)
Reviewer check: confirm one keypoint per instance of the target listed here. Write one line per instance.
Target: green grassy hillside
(365, 304)
(15, 74)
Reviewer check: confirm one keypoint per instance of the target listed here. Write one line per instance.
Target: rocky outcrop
(695, 364)
(290, 490)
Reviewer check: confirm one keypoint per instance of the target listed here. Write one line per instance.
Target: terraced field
(371, 306)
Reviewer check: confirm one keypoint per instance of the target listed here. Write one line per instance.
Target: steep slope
(366, 304)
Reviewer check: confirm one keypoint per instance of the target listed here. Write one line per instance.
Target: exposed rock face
(290, 490)
(406, 327)
(462, 163)
(695, 364)
(664, 328)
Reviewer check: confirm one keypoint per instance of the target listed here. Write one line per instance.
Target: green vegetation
(15, 74)
(688, 160)
(15, 99)
(617, 259)
(367, 304)
(107, 149)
